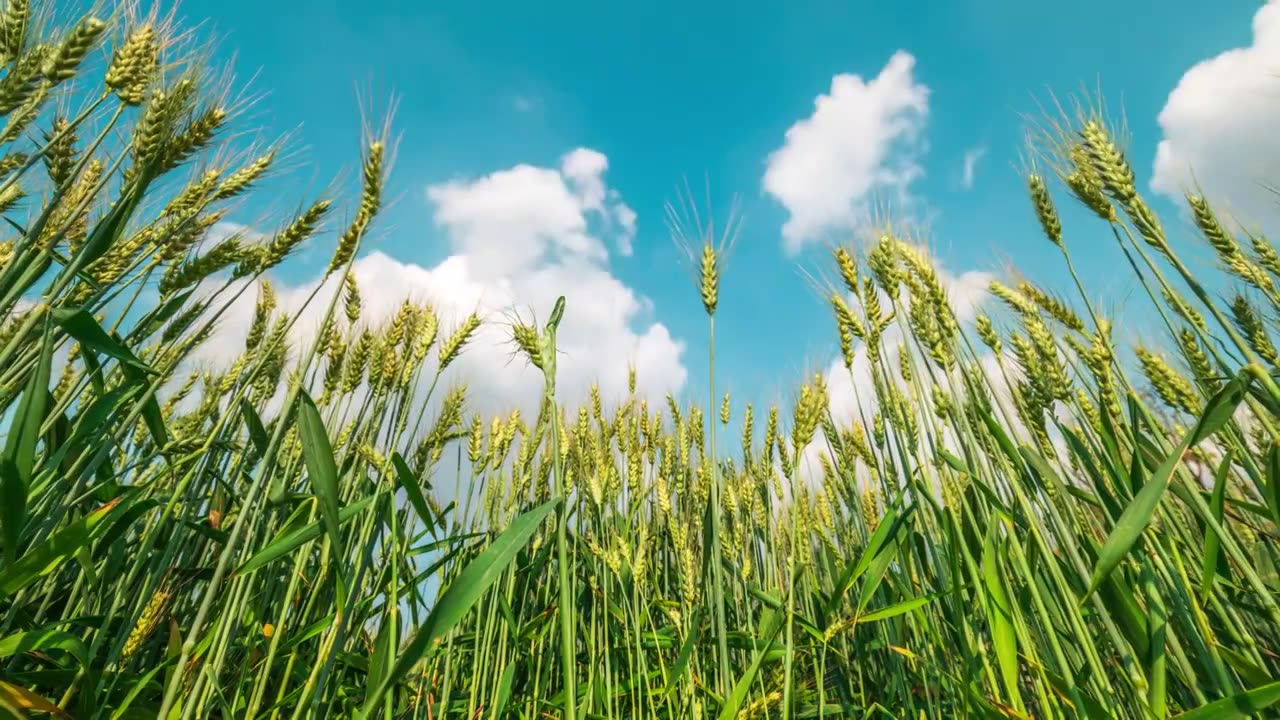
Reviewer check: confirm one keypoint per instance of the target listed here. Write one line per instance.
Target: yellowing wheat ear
(1004, 513)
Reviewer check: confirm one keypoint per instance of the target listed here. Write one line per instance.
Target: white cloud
(972, 157)
(520, 217)
(863, 137)
(626, 219)
(584, 169)
(518, 239)
(224, 229)
(1219, 123)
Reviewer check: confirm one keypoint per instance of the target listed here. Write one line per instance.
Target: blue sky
(666, 90)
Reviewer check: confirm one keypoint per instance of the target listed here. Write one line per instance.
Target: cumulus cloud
(516, 219)
(1218, 127)
(518, 239)
(864, 137)
(969, 172)
(626, 219)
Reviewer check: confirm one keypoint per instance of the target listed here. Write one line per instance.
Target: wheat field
(1027, 517)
